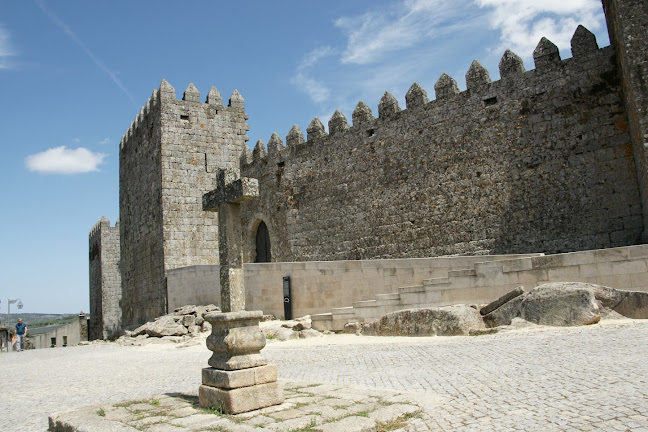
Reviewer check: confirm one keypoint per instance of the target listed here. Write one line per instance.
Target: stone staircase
(622, 268)
(429, 293)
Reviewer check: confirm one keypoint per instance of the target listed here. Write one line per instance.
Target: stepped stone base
(239, 378)
(240, 400)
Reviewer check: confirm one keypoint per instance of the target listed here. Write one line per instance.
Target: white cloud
(61, 160)
(5, 49)
(374, 35)
(104, 141)
(522, 23)
(380, 49)
(315, 89)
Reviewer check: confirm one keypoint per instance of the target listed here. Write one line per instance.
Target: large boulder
(504, 314)
(435, 321)
(502, 300)
(167, 325)
(560, 304)
(633, 305)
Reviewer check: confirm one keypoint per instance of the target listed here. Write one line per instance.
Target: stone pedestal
(239, 379)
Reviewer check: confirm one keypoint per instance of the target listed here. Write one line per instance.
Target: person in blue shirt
(21, 331)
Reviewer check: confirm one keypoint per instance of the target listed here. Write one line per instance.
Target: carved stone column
(239, 379)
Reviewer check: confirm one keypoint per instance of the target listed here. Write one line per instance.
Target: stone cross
(226, 199)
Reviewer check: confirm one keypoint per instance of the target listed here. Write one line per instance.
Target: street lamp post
(9, 303)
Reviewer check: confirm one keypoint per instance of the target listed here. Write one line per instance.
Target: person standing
(21, 331)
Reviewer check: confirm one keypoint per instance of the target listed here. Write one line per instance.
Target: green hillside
(34, 320)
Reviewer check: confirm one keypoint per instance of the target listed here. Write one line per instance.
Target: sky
(74, 74)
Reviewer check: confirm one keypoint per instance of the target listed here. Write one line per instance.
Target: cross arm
(236, 192)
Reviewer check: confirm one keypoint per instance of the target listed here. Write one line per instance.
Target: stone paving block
(117, 414)
(287, 414)
(325, 412)
(321, 389)
(266, 410)
(349, 424)
(390, 413)
(198, 421)
(334, 402)
(152, 420)
(85, 421)
(260, 420)
(141, 407)
(362, 407)
(166, 427)
(184, 412)
(241, 399)
(293, 424)
(303, 399)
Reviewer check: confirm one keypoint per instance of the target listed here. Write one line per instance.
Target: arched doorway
(262, 244)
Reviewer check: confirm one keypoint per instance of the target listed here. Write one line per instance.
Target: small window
(370, 133)
(490, 101)
(184, 117)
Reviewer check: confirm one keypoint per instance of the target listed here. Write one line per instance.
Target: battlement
(166, 93)
(103, 223)
(480, 93)
(533, 161)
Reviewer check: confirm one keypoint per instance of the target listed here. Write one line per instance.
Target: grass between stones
(136, 402)
(218, 411)
(397, 423)
(101, 412)
(308, 428)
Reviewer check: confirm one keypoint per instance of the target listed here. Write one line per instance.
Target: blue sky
(74, 74)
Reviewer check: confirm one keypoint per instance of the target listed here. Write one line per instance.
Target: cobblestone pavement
(548, 379)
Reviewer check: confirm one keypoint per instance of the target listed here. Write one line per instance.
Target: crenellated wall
(168, 160)
(105, 281)
(549, 160)
(538, 161)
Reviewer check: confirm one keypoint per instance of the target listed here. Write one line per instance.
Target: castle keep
(553, 159)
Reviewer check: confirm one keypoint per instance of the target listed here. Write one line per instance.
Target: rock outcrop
(435, 321)
(182, 321)
(299, 328)
(568, 304)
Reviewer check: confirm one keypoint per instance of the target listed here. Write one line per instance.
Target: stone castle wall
(168, 160)
(626, 20)
(105, 281)
(540, 160)
(548, 160)
(140, 213)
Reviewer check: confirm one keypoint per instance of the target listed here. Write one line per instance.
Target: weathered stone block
(559, 304)
(239, 378)
(239, 400)
(502, 300)
(188, 320)
(236, 340)
(443, 321)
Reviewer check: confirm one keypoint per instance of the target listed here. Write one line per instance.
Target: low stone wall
(622, 268)
(316, 287)
(319, 287)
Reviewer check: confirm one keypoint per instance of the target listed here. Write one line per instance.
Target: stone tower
(626, 21)
(167, 161)
(105, 281)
